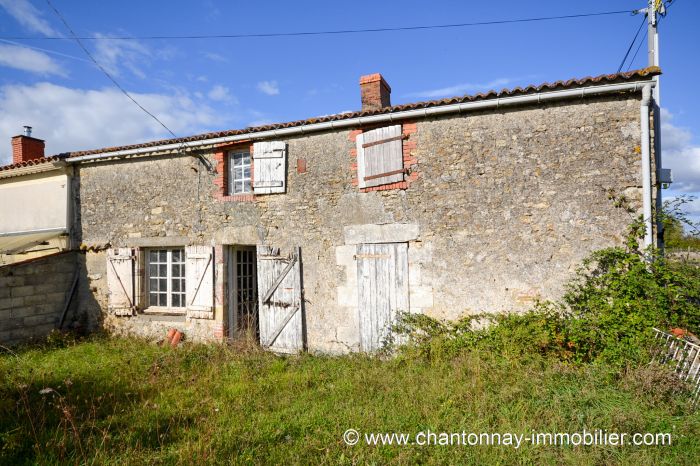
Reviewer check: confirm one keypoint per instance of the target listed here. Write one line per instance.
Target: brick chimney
(25, 147)
(375, 92)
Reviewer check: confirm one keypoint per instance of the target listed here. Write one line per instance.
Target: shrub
(606, 314)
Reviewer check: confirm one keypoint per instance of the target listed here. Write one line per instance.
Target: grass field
(122, 401)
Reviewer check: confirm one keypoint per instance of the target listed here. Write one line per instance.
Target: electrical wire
(318, 33)
(634, 39)
(114, 81)
(183, 144)
(637, 51)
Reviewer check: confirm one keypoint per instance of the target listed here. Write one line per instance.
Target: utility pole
(653, 10)
(656, 8)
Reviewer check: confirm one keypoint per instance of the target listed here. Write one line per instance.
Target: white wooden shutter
(280, 300)
(382, 278)
(199, 281)
(269, 167)
(380, 156)
(120, 281)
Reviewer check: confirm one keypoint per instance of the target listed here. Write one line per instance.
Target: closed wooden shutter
(280, 300)
(382, 275)
(380, 157)
(269, 167)
(120, 281)
(199, 281)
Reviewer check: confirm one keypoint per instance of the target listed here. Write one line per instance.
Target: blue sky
(202, 85)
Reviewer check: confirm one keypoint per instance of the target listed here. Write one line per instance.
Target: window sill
(238, 198)
(165, 311)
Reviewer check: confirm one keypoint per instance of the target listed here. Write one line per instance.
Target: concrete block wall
(32, 296)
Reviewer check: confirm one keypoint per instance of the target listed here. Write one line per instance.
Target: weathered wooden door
(280, 300)
(120, 281)
(382, 276)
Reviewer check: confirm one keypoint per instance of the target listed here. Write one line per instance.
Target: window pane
(153, 299)
(246, 158)
(175, 269)
(163, 284)
(176, 255)
(163, 256)
(153, 270)
(153, 284)
(246, 186)
(152, 256)
(163, 270)
(176, 300)
(237, 159)
(246, 172)
(176, 285)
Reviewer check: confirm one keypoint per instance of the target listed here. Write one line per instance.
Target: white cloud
(26, 59)
(268, 87)
(261, 122)
(79, 119)
(221, 93)
(680, 155)
(114, 55)
(458, 89)
(28, 16)
(213, 56)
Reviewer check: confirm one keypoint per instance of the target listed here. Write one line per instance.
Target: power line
(332, 32)
(644, 20)
(637, 51)
(53, 52)
(114, 81)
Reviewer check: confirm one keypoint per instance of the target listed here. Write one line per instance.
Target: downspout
(646, 166)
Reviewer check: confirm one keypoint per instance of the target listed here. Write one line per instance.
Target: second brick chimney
(25, 147)
(375, 92)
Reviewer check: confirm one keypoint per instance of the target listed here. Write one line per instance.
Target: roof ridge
(530, 89)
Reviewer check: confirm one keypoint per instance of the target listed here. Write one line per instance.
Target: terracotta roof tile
(29, 163)
(646, 73)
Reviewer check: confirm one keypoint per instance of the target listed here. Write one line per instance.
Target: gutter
(646, 165)
(34, 232)
(372, 119)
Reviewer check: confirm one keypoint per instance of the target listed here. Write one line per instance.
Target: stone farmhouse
(314, 234)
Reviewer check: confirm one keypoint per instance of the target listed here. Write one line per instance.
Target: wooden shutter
(199, 281)
(120, 281)
(382, 275)
(269, 167)
(380, 157)
(280, 300)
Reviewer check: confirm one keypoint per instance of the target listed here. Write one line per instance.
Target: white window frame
(168, 277)
(232, 167)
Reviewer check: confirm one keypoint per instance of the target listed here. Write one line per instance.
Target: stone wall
(506, 203)
(33, 295)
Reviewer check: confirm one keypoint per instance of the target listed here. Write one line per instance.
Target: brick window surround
(410, 161)
(221, 180)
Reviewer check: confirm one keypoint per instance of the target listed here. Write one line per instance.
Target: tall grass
(109, 401)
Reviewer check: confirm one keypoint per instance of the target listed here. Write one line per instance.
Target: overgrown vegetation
(680, 231)
(125, 401)
(580, 363)
(607, 314)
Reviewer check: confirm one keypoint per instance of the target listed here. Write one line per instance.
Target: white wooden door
(382, 276)
(280, 300)
(120, 281)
